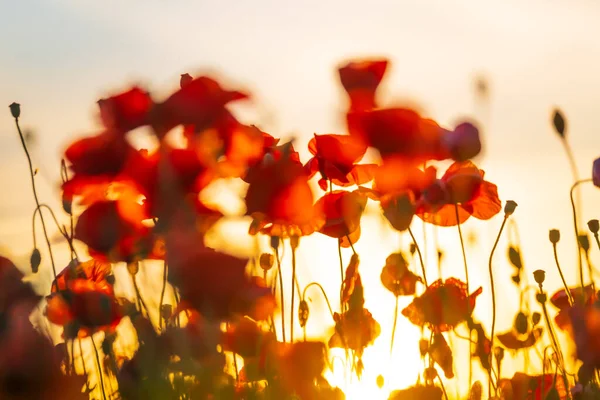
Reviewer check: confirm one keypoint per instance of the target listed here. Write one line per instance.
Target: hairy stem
(562, 277)
(420, 256)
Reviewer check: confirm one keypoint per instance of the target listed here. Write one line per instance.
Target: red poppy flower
(200, 102)
(95, 270)
(360, 80)
(584, 329)
(443, 305)
(514, 341)
(417, 392)
(280, 200)
(342, 212)
(272, 151)
(461, 186)
(126, 111)
(560, 300)
(402, 133)
(397, 278)
(293, 366)
(215, 283)
(85, 307)
(113, 230)
(335, 158)
(355, 329)
(533, 387)
(246, 338)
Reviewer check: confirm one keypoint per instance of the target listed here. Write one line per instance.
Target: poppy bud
(35, 260)
(133, 268)
(15, 110)
(412, 249)
(67, 204)
(596, 172)
(584, 242)
(499, 354)
(536, 317)
(185, 79)
(380, 381)
(516, 279)
(521, 323)
(275, 242)
(303, 313)
(514, 255)
(554, 235)
(423, 347)
(430, 374)
(593, 225)
(476, 392)
(110, 279)
(509, 207)
(266, 261)
(440, 255)
(294, 241)
(559, 123)
(539, 275)
(541, 298)
(166, 311)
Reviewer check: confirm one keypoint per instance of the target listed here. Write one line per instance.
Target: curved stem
(420, 256)
(100, 373)
(37, 201)
(139, 297)
(322, 291)
(341, 273)
(394, 326)
(63, 232)
(574, 210)
(292, 312)
(562, 277)
(491, 271)
(464, 255)
(162, 295)
(443, 387)
(281, 293)
(83, 367)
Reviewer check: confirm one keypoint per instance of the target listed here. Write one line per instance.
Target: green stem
(100, 373)
(574, 210)
(37, 201)
(281, 294)
(491, 271)
(420, 256)
(562, 277)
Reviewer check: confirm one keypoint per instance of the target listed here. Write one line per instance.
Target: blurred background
(506, 65)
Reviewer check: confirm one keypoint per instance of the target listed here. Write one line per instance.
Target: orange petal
(486, 203)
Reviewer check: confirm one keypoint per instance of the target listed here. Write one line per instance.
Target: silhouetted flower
(360, 80)
(443, 305)
(397, 278)
(341, 212)
(596, 172)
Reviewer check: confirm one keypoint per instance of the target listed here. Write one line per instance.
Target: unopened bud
(499, 354)
(185, 79)
(266, 261)
(133, 268)
(294, 242)
(541, 298)
(15, 110)
(554, 235)
(539, 275)
(275, 242)
(536, 317)
(509, 207)
(593, 225)
(584, 242)
(35, 260)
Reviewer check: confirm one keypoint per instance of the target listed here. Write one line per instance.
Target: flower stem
(322, 291)
(420, 256)
(100, 373)
(162, 295)
(574, 209)
(83, 367)
(562, 277)
(394, 326)
(491, 271)
(292, 311)
(281, 294)
(341, 273)
(443, 387)
(464, 255)
(37, 201)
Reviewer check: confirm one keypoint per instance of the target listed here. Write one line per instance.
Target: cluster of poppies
(134, 204)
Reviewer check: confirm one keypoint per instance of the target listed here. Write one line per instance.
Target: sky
(60, 56)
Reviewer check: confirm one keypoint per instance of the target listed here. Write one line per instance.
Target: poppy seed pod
(539, 275)
(133, 268)
(294, 241)
(266, 261)
(15, 110)
(509, 207)
(536, 317)
(593, 225)
(541, 298)
(554, 236)
(559, 123)
(275, 242)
